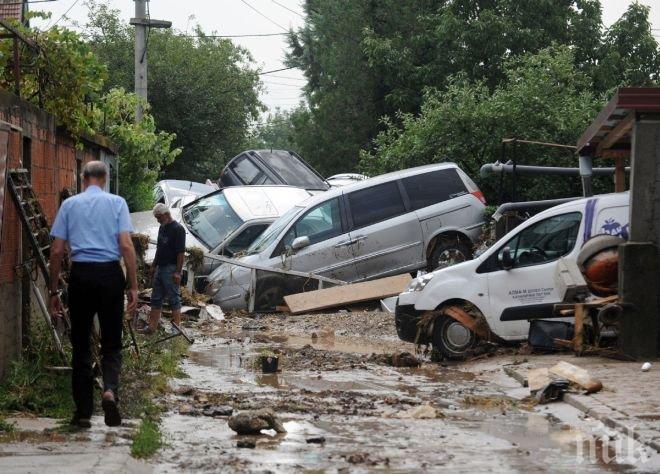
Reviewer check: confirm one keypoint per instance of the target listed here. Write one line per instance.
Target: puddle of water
(474, 439)
(524, 442)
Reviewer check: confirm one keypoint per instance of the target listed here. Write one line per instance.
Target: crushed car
(171, 191)
(270, 167)
(224, 222)
(424, 217)
(508, 285)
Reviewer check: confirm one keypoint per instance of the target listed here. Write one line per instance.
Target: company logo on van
(612, 227)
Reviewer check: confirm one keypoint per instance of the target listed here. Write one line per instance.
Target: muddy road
(345, 407)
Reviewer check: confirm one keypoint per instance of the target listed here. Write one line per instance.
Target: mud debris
(222, 410)
(252, 422)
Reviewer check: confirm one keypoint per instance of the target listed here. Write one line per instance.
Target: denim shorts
(165, 288)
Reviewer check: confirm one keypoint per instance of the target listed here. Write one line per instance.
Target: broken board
(347, 294)
(576, 375)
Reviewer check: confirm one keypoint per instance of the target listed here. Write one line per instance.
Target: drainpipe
(586, 173)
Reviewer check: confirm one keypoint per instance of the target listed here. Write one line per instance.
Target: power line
(289, 77)
(235, 36)
(287, 8)
(292, 84)
(267, 18)
(64, 14)
(275, 70)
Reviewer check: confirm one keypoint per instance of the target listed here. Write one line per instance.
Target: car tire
(451, 339)
(271, 295)
(450, 251)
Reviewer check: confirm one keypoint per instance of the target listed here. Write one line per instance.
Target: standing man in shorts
(97, 227)
(167, 267)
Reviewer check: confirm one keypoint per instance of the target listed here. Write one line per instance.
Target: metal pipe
(531, 205)
(500, 168)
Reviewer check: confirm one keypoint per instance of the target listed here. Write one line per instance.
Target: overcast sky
(236, 17)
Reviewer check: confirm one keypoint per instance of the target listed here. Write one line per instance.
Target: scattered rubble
(252, 422)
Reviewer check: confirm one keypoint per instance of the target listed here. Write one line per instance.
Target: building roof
(608, 136)
(11, 10)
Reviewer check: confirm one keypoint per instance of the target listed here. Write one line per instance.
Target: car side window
(431, 188)
(545, 241)
(318, 224)
(250, 173)
(242, 241)
(375, 204)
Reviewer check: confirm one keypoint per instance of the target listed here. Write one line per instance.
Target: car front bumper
(406, 319)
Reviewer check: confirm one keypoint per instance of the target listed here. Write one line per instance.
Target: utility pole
(142, 23)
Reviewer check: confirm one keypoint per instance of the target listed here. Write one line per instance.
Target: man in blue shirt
(97, 227)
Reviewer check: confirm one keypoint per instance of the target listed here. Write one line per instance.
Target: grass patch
(6, 427)
(147, 440)
(29, 387)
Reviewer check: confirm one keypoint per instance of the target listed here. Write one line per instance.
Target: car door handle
(343, 243)
(358, 238)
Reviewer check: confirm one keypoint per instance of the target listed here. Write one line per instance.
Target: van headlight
(419, 283)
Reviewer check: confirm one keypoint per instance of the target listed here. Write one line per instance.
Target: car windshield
(211, 219)
(293, 171)
(271, 234)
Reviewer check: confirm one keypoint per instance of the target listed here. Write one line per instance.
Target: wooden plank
(576, 375)
(620, 175)
(623, 127)
(347, 294)
(537, 379)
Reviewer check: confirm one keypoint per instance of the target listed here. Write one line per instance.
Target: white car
(513, 281)
(226, 221)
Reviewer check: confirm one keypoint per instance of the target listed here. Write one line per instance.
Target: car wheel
(448, 252)
(270, 295)
(453, 340)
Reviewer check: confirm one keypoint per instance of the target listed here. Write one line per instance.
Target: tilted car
(513, 281)
(225, 222)
(399, 222)
(268, 167)
(171, 191)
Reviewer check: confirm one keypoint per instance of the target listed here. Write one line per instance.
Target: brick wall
(53, 155)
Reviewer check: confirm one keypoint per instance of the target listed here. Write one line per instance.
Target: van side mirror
(506, 260)
(300, 243)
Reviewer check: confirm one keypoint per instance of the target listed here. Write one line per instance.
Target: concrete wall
(53, 157)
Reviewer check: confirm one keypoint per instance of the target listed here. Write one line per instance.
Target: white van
(513, 281)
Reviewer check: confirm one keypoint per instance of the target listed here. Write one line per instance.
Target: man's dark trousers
(95, 288)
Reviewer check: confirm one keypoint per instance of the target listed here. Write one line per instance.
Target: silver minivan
(420, 218)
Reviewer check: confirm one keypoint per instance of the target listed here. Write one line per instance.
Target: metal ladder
(37, 230)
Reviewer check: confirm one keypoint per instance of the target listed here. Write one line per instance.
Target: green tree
(344, 96)
(66, 79)
(201, 88)
(141, 150)
(544, 97)
(629, 54)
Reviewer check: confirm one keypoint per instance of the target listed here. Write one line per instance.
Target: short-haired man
(167, 267)
(97, 227)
